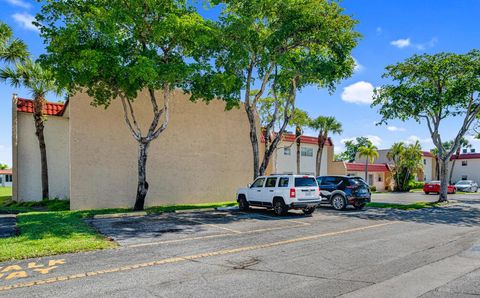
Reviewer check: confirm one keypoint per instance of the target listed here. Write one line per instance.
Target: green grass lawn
(412, 206)
(56, 232)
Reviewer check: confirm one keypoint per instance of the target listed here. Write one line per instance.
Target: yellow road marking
(190, 257)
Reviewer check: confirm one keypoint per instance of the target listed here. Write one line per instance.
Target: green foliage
(326, 126)
(351, 148)
(373, 188)
(31, 75)
(407, 161)
(112, 47)
(300, 119)
(11, 49)
(415, 185)
(3, 166)
(369, 152)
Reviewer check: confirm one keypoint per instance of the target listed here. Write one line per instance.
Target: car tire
(308, 211)
(243, 204)
(359, 206)
(427, 192)
(339, 202)
(279, 207)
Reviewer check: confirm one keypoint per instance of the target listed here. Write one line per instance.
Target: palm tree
(11, 49)
(370, 153)
(464, 143)
(395, 154)
(325, 126)
(39, 81)
(300, 119)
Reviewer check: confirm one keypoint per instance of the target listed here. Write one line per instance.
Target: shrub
(373, 188)
(416, 184)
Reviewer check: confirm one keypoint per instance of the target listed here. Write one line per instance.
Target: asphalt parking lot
(372, 253)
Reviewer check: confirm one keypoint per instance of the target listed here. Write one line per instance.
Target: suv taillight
(292, 193)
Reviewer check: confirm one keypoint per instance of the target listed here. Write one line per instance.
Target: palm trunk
(443, 181)
(321, 145)
(142, 186)
(366, 170)
(39, 120)
(298, 134)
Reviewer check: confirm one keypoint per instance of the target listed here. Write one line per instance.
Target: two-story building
(6, 178)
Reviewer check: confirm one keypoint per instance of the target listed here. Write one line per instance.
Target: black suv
(341, 191)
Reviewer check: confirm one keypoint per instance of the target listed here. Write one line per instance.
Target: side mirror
(249, 185)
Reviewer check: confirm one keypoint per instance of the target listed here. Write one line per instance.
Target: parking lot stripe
(190, 257)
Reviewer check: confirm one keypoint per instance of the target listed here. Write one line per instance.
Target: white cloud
(426, 143)
(376, 140)
(25, 20)
(359, 93)
(401, 43)
(19, 3)
(395, 128)
(358, 67)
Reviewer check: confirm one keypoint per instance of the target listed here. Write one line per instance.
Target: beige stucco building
(204, 154)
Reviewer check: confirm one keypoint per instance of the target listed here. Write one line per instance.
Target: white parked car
(466, 186)
(281, 193)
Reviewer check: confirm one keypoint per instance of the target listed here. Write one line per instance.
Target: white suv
(281, 192)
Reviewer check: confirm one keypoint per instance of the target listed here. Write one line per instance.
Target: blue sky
(392, 31)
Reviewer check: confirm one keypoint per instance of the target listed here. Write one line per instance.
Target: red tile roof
(6, 172)
(427, 154)
(466, 156)
(360, 167)
(50, 108)
(290, 137)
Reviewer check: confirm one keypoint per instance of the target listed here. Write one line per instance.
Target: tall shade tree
(283, 46)
(115, 49)
(464, 143)
(325, 127)
(3, 166)
(299, 120)
(11, 49)
(40, 81)
(370, 153)
(429, 89)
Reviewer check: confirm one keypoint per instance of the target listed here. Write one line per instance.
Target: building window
(464, 163)
(8, 178)
(424, 161)
(379, 178)
(464, 177)
(464, 150)
(287, 151)
(304, 151)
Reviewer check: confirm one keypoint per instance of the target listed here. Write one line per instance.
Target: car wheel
(279, 207)
(243, 204)
(338, 202)
(308, 211)
(427, 192)
(359, 206)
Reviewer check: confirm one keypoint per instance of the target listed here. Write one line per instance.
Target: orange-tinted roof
(290, 137)
(50, 108)
(360, 167)
(6, 172)
(466, 156)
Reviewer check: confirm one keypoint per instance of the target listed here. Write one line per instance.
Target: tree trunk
(39, 120)
(298, 134)
(254, 140)
(437, 168)
(142, 186)
(453, 166)
(318, 161)
(443, 180)
(366, 170)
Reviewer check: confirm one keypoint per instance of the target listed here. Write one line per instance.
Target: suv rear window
(305, 181)
(356, 181)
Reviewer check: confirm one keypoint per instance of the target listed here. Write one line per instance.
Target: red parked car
(434, 186)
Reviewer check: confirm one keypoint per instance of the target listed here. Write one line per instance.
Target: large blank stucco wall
(28, 184)
(204, 154)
